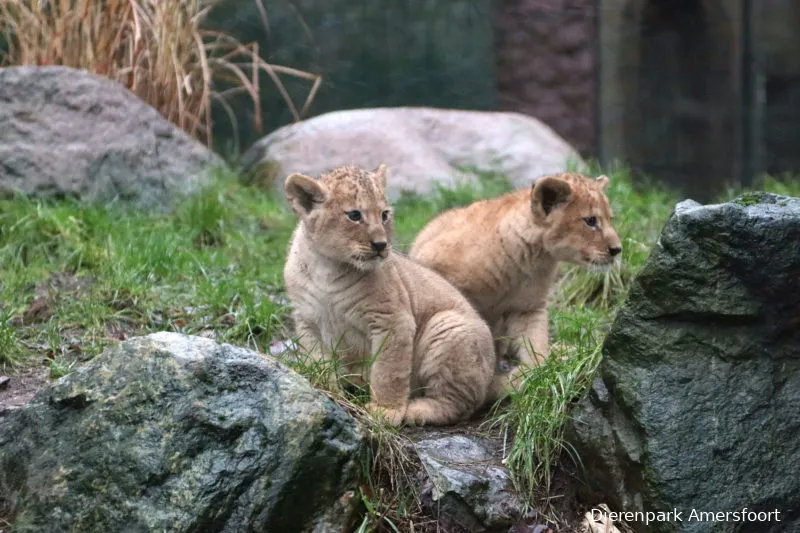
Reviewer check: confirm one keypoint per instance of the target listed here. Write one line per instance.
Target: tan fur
(502, 255)
(433, 355)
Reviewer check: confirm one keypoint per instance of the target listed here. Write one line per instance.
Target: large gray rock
(66, 132)
(422, 146)
(465, 485)
(697, 404)
(175, 433)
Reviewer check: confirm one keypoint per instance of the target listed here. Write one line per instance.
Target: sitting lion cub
(502, 255)
(432, 356)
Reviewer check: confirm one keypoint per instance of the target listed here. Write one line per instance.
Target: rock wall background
(546, 64)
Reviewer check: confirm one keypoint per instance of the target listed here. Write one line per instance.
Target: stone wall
(547, 64)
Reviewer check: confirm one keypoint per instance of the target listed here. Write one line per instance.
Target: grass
(212, 267)
(156, 48)
(534, 418)
(75, 278)
(786, 185)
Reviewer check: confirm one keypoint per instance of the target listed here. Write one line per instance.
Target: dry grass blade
(155, 48)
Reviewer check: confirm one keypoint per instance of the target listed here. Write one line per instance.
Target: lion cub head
(345, 213)
(575, 215)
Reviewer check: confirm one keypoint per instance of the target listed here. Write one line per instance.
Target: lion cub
(432, 356)
(502, 255)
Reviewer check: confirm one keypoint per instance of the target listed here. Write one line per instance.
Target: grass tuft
(533, 419)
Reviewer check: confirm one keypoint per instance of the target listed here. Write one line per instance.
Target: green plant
(59, 367)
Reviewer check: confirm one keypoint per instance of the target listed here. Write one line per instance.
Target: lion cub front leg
(526, 331)
(390, 376)
(309, 341)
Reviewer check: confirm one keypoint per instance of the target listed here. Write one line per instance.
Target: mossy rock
(176, 433)
(697, 403)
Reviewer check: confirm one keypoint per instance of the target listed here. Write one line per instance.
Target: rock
(176, 433)
(546, 50)
(697, 403)
(4, 381)
(466, 486)
(422, 146)
(66, 132)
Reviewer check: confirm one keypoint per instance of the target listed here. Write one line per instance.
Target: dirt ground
(21, 387)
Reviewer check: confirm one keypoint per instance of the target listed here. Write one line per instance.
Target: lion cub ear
(381, 174)
(602, 181)
(303, 192)
(548, 193)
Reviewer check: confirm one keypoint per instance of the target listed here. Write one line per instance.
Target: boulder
(176, 433)
(697, 404)
(422, 146)
(69, 133)
(465, 485)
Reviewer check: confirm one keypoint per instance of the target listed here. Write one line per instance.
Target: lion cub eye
(385, 216)
(355, 216)
(590, 221)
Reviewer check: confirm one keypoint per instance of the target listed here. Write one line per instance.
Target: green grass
(534, 418)
(11, 351)
(786, 185)
(214, 266)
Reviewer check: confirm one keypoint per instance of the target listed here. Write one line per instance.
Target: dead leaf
(599, 522)
(39, 310)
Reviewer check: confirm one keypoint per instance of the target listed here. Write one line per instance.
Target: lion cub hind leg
(456, 369)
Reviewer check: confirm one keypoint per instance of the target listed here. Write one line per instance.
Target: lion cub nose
(378, 246)
(615, 250)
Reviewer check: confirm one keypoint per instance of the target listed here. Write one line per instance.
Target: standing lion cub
(432, 357)
(502, 255)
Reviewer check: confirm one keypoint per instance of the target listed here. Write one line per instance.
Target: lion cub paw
(392, 416)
